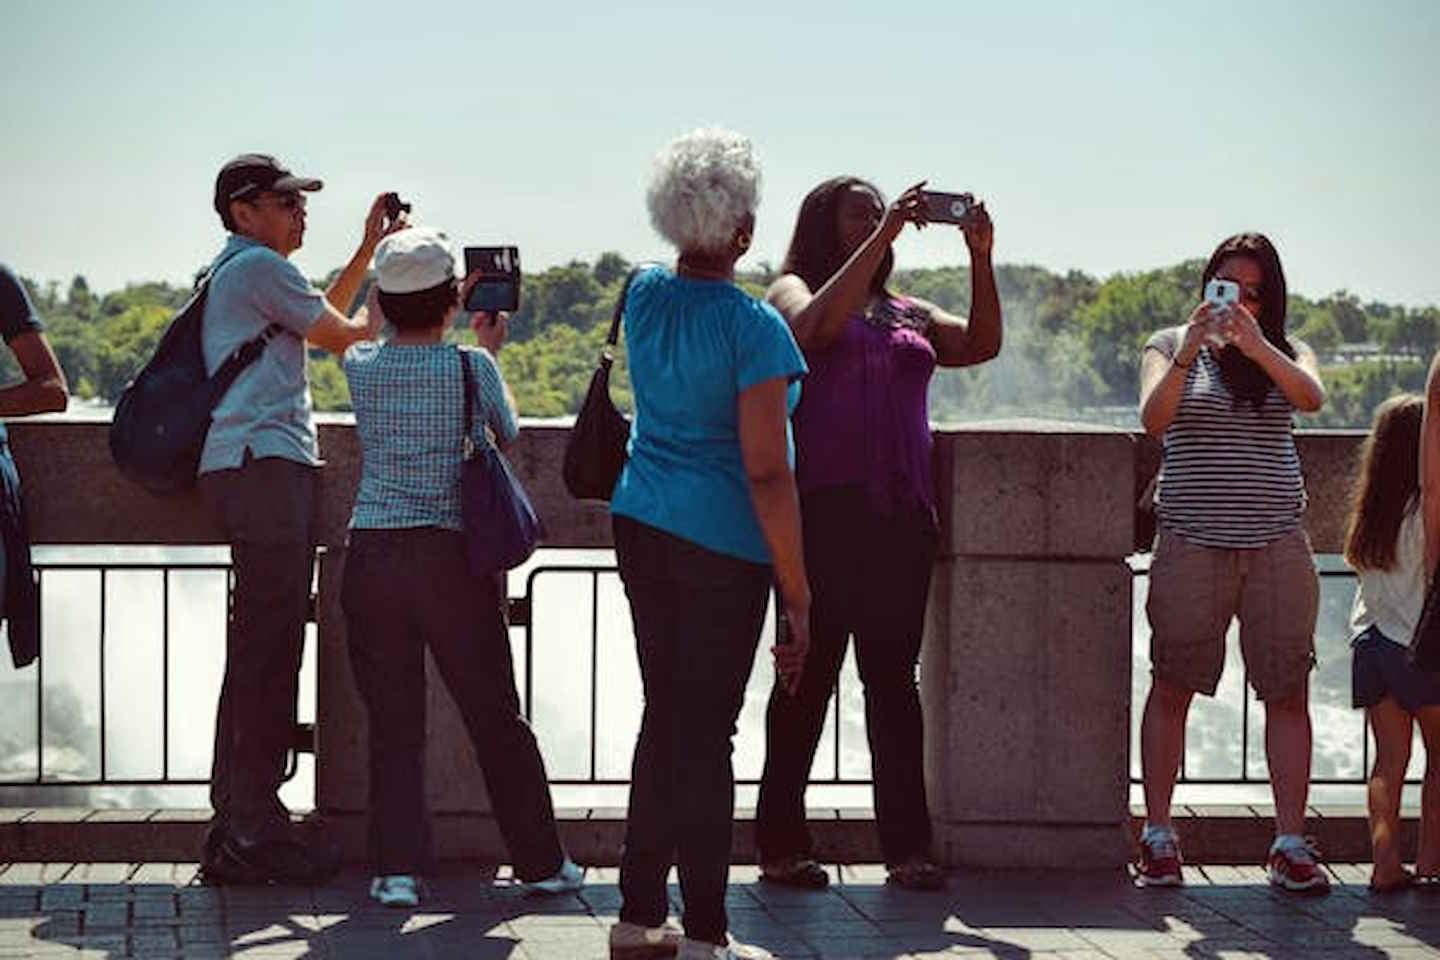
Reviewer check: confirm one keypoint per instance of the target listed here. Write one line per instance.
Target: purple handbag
(501, 526)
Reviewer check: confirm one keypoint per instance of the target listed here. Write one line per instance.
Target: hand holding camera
(386, 216)
(964, 211)
(909, 207)
(492, 279)
(491, 326)
(491, 329)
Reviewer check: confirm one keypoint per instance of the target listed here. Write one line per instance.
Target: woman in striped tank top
(1220, 390)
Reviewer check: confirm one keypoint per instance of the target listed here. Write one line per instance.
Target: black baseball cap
(252, 173)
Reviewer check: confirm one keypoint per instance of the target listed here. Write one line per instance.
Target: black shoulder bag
(595, 450)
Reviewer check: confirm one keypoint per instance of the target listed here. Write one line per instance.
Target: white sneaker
(631, 941)
(568, 879)
(734, 950)
(396, 890)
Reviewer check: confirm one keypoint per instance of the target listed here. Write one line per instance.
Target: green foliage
(1353, 391)
(1072, 342)
(329, 389)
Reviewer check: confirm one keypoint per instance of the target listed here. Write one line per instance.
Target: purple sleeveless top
(863, 418)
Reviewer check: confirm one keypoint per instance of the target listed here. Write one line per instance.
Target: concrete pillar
(1025, 672)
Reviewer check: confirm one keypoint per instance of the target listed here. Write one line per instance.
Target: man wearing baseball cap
(259, 473)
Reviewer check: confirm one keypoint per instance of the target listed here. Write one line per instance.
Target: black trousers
(404, 591)
(697, 616)
(265, 507)
(870, 577)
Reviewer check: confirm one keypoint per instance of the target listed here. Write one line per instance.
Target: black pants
(266, 508)
(404, 591)
(697, 616)
(869, 576)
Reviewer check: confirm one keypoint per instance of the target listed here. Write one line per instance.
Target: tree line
(1072, 341)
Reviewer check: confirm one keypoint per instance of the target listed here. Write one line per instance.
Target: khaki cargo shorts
(1194, 593)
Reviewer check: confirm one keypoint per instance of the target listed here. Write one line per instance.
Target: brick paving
(105, 910)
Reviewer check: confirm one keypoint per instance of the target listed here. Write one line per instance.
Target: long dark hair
(815, 252)
(1244, 377)
(1387, 483)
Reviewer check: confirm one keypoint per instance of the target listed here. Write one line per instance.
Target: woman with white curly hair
(706, 518)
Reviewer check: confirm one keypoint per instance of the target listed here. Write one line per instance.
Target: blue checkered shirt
(409, 415)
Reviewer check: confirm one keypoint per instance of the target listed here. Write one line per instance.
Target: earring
(742, 240)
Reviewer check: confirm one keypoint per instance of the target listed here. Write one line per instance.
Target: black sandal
(801, 872)
(917, 875)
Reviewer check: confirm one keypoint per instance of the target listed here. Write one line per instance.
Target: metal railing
(303, 739)
(1244, 777)
(521, 610)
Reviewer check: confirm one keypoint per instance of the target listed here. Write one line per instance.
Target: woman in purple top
(867, 499)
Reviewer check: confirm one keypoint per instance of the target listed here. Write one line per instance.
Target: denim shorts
(1381, 668)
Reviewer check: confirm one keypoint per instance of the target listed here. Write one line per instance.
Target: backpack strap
(249, 351)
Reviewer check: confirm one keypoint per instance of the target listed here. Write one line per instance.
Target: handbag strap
(607, 353)
(467, 445)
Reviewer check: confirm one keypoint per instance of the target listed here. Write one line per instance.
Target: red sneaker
(1293, 867)
(1160, 860)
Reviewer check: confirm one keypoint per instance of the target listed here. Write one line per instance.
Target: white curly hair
(701, 188)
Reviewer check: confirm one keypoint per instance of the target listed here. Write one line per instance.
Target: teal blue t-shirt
(694, 346)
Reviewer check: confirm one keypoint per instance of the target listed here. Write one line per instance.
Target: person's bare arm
(817, 317)
(491, 331)
(44, 389)
(763, 448)
(1162, 378)
(1430, 467)
(1298, 379)
(334, 331)
(961, 341)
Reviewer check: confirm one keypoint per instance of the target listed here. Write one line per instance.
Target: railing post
(1025, 672)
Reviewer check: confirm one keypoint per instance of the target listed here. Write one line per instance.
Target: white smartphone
(1222, 294)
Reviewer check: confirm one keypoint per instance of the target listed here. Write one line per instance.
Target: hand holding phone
(941, 207)
(492, 278)
(1222, 295)
(491, 329)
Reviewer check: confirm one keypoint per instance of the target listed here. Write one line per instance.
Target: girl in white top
(1385, 544)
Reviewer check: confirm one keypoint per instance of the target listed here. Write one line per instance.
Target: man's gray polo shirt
(267, 409)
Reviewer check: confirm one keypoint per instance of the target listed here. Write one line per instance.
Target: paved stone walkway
(153, 910)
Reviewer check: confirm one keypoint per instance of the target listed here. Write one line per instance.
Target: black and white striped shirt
(1231, 476)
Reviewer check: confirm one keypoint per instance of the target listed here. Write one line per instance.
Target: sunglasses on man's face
(285, 201)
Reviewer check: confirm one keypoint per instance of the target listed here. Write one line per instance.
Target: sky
(1104, 136)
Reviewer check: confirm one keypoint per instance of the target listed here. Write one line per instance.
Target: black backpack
(164, 414)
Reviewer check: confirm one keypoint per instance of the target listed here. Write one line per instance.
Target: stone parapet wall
(1025, 672)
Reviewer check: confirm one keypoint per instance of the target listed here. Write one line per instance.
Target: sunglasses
(1247, 292)
(285, 201)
